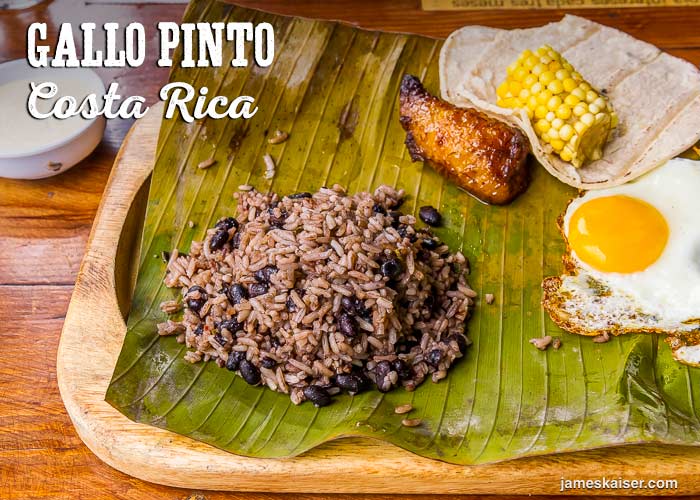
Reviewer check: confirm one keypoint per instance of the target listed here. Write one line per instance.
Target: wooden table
(44, 226)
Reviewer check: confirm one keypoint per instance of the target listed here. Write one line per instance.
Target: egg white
(668, 291)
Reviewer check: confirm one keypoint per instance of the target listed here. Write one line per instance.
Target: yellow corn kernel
(555, 87)
(542, 126)
(541, 111)
(566, 132)
(554, 66)
(509, 102)
(530, 62)
(554, 103)
(538, 69)
(532, 103)
(502, 90)
(569, 84)
(557, 144)
(563, 112)
(580, 109)
(529, 81)
(546, 77)
(561, 74)
(588, 119)
(579, 93)
(544, 96)
(557, 123)
(567, 113)
(520, 74)
(571, 100)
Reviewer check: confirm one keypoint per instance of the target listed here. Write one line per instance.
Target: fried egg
(633, 258)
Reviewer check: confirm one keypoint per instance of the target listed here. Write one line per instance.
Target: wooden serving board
(92, 338)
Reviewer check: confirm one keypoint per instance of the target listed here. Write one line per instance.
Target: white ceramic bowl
(56, 156)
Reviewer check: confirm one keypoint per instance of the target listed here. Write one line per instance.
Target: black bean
(430, 216)
(236, 293)
(255, 289)
(430, 243)
(195, 304)
(396, 205)
(347, 325)
(268, 362)
(249, 372)
(423, 255)
(199, 330)
(380, 373)
(434, 357)
(236, 240)
(263, 275)
(298, 196)
(405, 346)
(227, 223)
(351, 305)
(429, 303)
(391, 268)
(378, 208)
(220, 340)
(353, 383)
(234, 360)
(232, 325)
(402, 369)
(362, 311)
(291, 305)
(395, 216)
(218, 240)
(317, 395)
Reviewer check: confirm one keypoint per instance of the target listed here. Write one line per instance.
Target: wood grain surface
(44, 226)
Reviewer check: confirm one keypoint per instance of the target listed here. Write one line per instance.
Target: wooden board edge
(90, 343)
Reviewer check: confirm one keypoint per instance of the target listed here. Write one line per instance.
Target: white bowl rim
(20, 68)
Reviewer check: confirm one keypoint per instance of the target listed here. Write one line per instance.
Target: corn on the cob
(568, 115)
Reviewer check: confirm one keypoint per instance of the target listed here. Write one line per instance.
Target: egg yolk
(618, 234)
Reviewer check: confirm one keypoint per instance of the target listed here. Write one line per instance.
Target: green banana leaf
(334, 88)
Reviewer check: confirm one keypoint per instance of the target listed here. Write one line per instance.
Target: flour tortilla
(656, 96)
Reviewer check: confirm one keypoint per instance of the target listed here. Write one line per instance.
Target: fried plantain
(484, 156)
